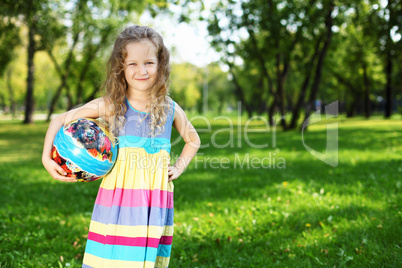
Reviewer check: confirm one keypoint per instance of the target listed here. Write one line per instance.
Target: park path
(36, 117)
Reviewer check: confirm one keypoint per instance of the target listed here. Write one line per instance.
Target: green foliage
(220, 90)
(305, 215)
(188, 81)
(251, 36)
(8, 40)
(45, 78)
(268, 46)
(56, 24)
(185, 80)
(354, 50)
(268, 42)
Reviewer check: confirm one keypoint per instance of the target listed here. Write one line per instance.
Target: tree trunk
(70, 103)
(80, 92)
(271, 113)
(290, 104)
(63, 78)
(239, 90)
(261, 61)
(320, 63)
(29, 99)
(54, 100)
(80, 81)
(388, 86)
(350, 110)
(300, 100)
(96, 89)
(366, 82)
(258, 97)
(11, 92)
(354, 94)
(279, 91)
(90, 57)
(388, 68)
(265, 74)
(220, 105)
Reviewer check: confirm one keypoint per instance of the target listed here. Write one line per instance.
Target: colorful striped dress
(132, 220)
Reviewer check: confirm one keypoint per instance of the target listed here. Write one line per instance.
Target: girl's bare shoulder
(93, 109)
(104, 107)
(100, 105)
(179, 114)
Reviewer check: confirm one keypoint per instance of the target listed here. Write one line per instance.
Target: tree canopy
(283, 58)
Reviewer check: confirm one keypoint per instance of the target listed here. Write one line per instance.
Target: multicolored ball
(84, 149)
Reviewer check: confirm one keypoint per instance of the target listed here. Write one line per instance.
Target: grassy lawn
(230, 211)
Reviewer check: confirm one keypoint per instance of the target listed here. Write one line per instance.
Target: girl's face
(140, 65)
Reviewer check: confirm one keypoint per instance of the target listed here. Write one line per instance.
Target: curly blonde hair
(116, 85)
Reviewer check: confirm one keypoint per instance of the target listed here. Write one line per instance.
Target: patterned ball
(84, 149)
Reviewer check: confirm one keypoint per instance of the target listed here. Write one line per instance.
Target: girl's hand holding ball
(56, 171)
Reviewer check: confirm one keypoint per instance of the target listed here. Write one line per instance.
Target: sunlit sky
(186, 42)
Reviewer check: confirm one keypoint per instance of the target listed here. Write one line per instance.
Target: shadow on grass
(202, 184)
(33, 201)
(219, 185)
(275, 242)
(350, 139)
(20, 185)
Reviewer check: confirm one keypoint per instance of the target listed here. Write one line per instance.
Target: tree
(92, 23)
(268, 35)
(35, 15)
(389, 19)
(92, 26)
(220, 90)
(82, 24)
(9, 39)
(186, 80)
(320, 61)
(352, 59)
(358, 58)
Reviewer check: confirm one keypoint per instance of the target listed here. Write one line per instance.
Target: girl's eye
(132, 64)
(150, 62)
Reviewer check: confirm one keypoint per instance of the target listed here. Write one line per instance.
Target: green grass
(302, 213)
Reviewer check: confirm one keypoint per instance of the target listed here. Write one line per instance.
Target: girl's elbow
(197, 143)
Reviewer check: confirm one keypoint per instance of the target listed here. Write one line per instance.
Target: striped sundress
(132, 220)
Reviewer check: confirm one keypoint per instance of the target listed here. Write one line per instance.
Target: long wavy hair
(116, 85)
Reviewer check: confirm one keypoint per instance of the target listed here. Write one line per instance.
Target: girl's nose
(143, 69)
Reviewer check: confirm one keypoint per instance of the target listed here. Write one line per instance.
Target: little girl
(132, 220)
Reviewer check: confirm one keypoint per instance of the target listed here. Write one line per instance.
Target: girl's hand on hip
(56, 171)
(173, 172)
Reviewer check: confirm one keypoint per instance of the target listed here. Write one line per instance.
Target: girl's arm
(190, 137)
(93, 109)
